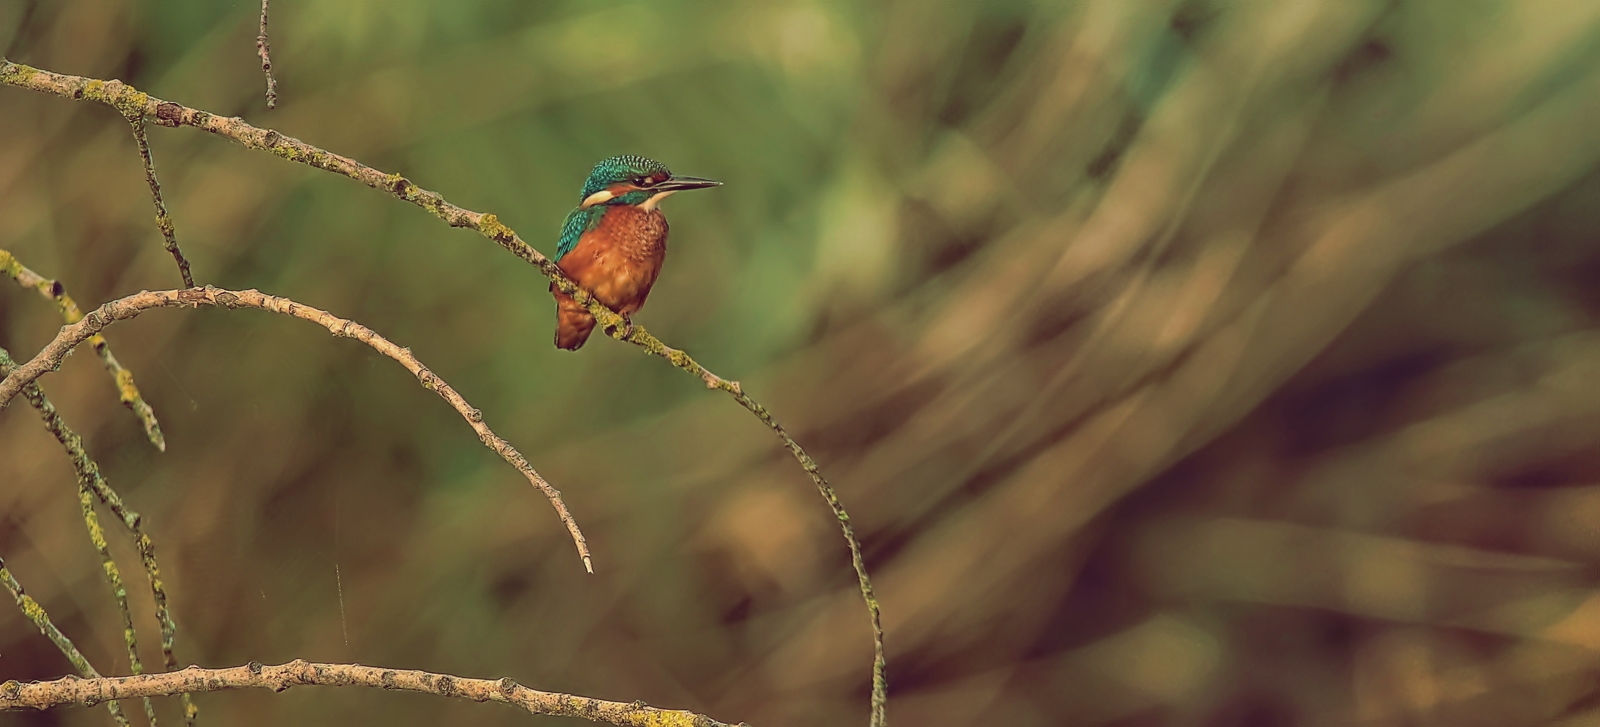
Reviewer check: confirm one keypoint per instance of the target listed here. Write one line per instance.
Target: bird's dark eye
(641, 181)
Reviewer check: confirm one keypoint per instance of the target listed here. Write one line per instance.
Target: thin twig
(297, 673)
(158, 591)
(264, 50)
(91, 480)
(97, 536)
(127, 391)
(880, 683)
(49, 359)
(169, 235)
(130, 100)
(37, 615)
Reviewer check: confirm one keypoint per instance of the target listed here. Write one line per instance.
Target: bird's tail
(573, 322)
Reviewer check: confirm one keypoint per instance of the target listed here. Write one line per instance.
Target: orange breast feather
(618, 261)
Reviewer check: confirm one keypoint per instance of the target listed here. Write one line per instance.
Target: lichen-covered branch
(37, 615)
(158, 591)
(49, 359)
(90, 480)
(127, 391)
(169, 236)
(264, 49)
(127, 99)
(297, 673)
(880, 683)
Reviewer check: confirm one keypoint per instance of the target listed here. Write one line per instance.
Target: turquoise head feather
(621, 180)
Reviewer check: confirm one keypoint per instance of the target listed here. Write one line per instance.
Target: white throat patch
(655, 199)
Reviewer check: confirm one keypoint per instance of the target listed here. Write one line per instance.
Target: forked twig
(127, 391)
(49, 359)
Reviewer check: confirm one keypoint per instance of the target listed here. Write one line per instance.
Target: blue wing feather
(579, 221)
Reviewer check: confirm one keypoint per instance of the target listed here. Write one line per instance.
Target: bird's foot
(627, 327)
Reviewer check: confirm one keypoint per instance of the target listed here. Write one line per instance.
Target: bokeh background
(1181, 363)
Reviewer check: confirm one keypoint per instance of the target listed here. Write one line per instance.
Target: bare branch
(90, 480)
(37, 615)
(49, 359)
(163, 220)
(264, 50)
(127, 391)
(127, 99)
(69, 690)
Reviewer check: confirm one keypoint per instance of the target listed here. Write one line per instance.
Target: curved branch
(49, 359)
(127, 99)
(127, 391)
(71, 690)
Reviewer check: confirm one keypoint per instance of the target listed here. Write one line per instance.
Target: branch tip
(122, 378)
(131, 306)
(264, 49)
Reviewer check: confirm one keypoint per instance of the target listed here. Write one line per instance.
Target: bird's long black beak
(678, 184)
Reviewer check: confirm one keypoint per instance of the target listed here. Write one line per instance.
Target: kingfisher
(614, 243)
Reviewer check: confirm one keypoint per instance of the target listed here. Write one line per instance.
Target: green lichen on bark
(127, 390)
(87, 471)
(492, 228)
(41, 620)
(92, 484)
(16, 74)
(130, 102)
